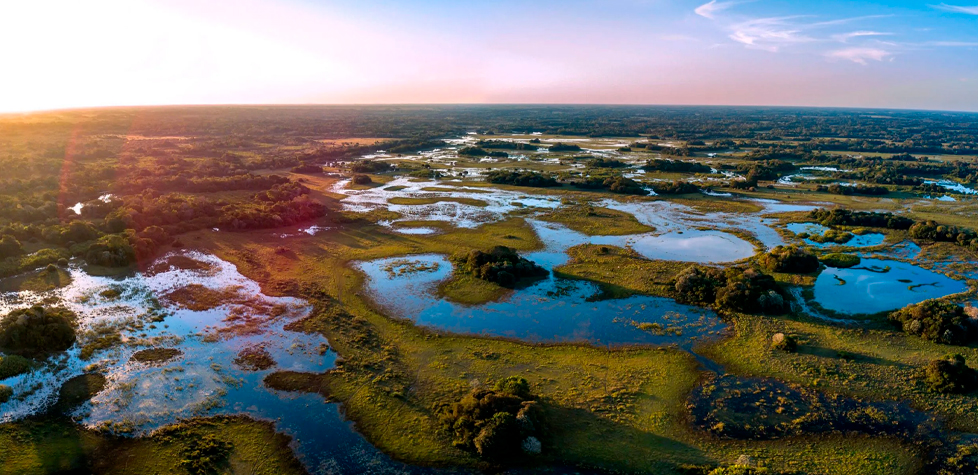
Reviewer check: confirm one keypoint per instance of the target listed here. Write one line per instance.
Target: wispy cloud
(859, 55)
(768, 34)
(860, 46)
(709, 10)
(775, 33)
(843, 21)
(957, 9)
(845, 37)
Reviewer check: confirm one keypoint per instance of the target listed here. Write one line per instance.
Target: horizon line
(486, 104)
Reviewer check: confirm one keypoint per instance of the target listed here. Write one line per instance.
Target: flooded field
(857, 240)
(209, 319)
(553, 310)
(880, 285)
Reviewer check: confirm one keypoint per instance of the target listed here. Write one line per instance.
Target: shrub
(5, 393)
(514, 385)
(698, 285)
(562, 147)
(845, 217)
(498, 437)
(426, 173)
(37, 331)
(733, 289)
(116, 250)
(525, 178)
(791, 259)
(12, 365)
(307, 168)
(783, 342)
(362, 180)
(501, 265)
(473, 151)
(840, 260)
(750, 291)
(676, 166)
(675, 188)
(933, 231)
(204, 455)
(369, 166)
(497, 424)
(832, 236)
(950, 375)
(10, 247)
(936, 320)
(838, 189)
(606, 163)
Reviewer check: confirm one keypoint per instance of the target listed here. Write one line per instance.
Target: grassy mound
(156, 355)
(840, 260)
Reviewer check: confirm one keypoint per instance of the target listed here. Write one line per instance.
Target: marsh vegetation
(610, 289)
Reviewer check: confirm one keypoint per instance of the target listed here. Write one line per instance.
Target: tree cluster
(848, 190)
(602, 162)
(501, 265)
(790, 259)
(563, 147)
(676, 166)
(951, 375)
(846, 217)
(524, 178)
(676, 187)
(37, 331)
(615, 184)
(938, 321)
(733, 289)
(500, 424)
(369, 166)
(932, 231)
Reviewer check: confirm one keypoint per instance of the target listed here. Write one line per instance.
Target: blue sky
(831, 53)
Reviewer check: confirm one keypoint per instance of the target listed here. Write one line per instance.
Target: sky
(58, 54)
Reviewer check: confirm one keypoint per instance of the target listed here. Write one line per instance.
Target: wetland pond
(552, 309)
(470, 206)
(858, 240)
(878, 285)
(202, 307)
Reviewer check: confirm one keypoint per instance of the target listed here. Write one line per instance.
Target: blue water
(550, 310)
(870, 288)
(203, 381)
(865, 240)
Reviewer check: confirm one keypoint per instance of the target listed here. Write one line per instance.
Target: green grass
(469, 290)
(596, 221)
(621, 272)
(873, 363)
(620, 410)
(43, 446)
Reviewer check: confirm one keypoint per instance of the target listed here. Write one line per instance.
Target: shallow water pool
(877, 285)
(147, 312)
(863, 240)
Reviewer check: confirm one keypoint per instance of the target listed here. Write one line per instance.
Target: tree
(936, 320)
(950, 375)
(10, 247)
(791, 259)
(37, 331)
